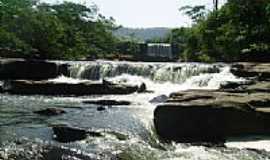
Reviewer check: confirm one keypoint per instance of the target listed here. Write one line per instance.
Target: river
(25, 135)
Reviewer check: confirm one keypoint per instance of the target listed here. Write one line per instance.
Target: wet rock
(159, 99)
(50, 112)
(27, 87)
(30, 69)
(1, 89)
(101, 108)
(107, 102)
(260, 71)
(195, 116)
(236, 85)
(142, 88)
(67, 134)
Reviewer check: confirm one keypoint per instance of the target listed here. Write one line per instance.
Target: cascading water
(172, 72)
(135, 121)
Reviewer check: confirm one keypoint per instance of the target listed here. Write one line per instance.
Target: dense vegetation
(53, 31)
(238, 28)
(31, 29)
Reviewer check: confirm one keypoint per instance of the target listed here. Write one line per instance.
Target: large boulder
(198, 116)
(27, 87)
(30, 69)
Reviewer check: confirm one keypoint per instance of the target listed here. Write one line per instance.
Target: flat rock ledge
(31, 69)
(28, 87)
(237, 109)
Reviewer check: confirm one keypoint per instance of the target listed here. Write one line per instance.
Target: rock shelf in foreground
(213, 116)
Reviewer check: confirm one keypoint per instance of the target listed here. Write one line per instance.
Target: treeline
(240, 28)
(31, 29)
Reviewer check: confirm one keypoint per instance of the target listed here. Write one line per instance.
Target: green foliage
(66, 30)
(196, 13)
(238, 27)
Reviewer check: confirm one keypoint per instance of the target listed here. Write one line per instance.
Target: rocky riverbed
(236, 109)
(47, 117)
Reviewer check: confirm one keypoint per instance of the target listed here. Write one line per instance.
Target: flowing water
(128, 131)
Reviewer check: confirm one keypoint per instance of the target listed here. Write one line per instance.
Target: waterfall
(159, 72)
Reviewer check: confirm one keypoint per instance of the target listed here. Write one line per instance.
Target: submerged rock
(30, 69)
(107, 102)
(27, 87)
(67, 134)
(50, 112)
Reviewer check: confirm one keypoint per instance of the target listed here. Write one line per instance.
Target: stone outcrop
(236, 109)
(30, 69)
(67, 134)
(50, 112)
(108, 102)
(27, 87)
(260, 71)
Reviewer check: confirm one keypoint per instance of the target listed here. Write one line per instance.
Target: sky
(146, 13)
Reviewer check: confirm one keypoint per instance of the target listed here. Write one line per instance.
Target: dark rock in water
(159, 99)
(101, 108)
(26, 87)
(142, 88)
(1, 89)
(105, 82)
(67, 134)
(107, 102)
(261, 71)
(50, 112)
(212, 116)
(30, 69)
(236, 85)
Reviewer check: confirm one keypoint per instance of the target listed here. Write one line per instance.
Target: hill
(142, 34)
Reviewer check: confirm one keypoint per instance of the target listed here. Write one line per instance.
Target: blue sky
(145, 13)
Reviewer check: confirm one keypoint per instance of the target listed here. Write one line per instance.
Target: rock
(27, 87)
(236, 85)
(101, 108)
(50, 112)
(67, 134)
(142, 88)
(159, 99)
(107, 102)
(260, 71)
(1, 88)
(30, 69)
(198, 116)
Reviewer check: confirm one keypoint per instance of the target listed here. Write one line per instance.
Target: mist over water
(27, 134)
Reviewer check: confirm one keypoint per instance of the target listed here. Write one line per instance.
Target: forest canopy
(67, 30)
(238, 28)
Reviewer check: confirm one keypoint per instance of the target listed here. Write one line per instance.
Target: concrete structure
(159, 50)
